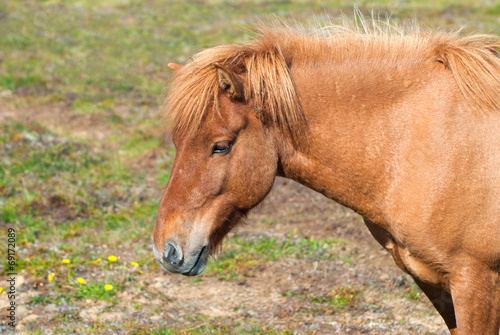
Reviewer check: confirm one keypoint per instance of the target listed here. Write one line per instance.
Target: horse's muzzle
(173, 260)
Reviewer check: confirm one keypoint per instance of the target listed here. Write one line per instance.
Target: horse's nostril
(173, 255)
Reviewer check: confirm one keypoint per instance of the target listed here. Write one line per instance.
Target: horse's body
(405, 130)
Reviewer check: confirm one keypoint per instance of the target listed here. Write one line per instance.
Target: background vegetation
(83, 158)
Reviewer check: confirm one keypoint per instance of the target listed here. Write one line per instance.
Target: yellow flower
(66, 261)
(112, 258)
(80, 280)
(97, 260)
(139, 271)
(134, 263)
(136, 202)
(1, 290)
(108, 287)
(51, 276)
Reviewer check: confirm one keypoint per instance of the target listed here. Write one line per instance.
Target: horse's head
(222, 169)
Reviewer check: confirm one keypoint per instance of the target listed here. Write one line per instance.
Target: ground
(300, 263)
(84, 160)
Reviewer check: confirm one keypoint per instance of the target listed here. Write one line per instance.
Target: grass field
(83, 161)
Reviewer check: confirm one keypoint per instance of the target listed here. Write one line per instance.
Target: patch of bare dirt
(57, 117)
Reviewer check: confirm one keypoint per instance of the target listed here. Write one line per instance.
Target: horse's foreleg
(475, 289)
(442, 302)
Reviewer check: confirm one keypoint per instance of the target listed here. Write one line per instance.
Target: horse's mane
(195, 90)
(268, 60)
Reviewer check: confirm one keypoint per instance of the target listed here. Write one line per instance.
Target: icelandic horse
(401, 127)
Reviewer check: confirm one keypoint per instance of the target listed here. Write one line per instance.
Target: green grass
(51, 160)
(63, 191)
(68, 196)
(96, 291)
(139, 144)
(108, 52)
(413, 292)
(243, 256)
(339, 297)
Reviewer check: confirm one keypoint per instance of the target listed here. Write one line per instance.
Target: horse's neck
(358, 120)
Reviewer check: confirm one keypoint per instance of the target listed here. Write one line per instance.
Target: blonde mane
(195, 90)
(268, 61)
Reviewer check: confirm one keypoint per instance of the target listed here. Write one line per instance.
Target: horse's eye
(221, 147)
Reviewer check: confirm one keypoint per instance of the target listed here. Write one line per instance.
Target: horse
(400, 125)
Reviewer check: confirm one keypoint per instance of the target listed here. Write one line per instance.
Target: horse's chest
(408, 262)
(421, 269)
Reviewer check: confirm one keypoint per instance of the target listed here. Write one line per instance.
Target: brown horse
(402, 127)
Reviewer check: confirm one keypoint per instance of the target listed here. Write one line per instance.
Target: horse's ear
(230, 83)
(174, 66)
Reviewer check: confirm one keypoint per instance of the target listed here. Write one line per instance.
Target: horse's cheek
(256, 178)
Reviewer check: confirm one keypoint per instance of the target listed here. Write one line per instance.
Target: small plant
(300, 293)
(343, 296)
(40, 299)
(95, 291)
(339, 297)
(413, 292)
